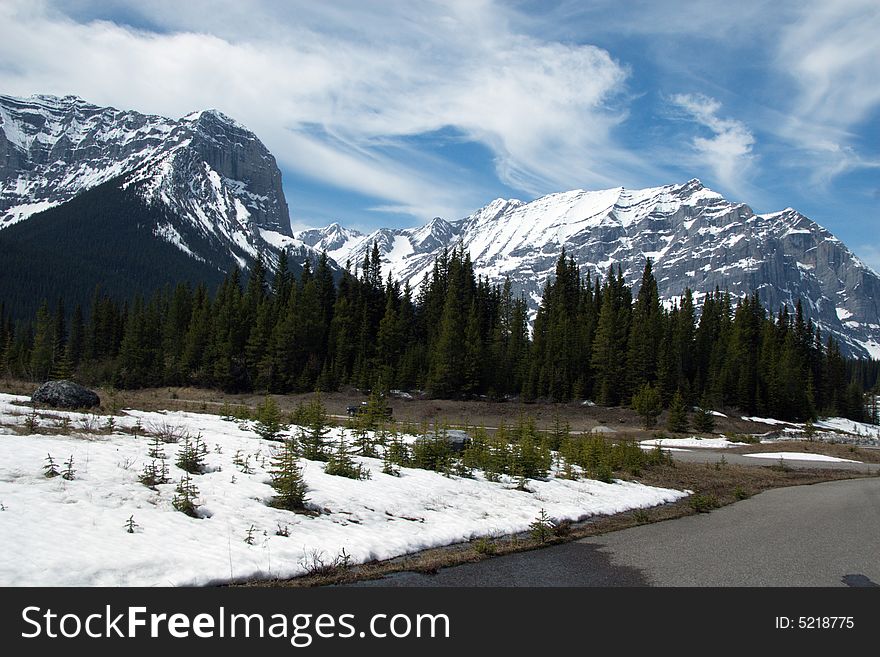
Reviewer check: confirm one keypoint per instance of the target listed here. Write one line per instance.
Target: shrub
(314, 426)
(744, 438)
(529, 459)
(156, 450)
(703, 502)
(562, 528)
(168, 433)
(641, 516)
(130, 525)
(648, 404)
(152, 475)
(32, 421)
(315, 563)
(485, 547)
(432, 452)
(341, 464)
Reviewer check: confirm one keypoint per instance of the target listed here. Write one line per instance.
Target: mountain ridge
(694, 236)
(222, 184)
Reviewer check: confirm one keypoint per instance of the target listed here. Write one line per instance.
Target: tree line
(458, 336)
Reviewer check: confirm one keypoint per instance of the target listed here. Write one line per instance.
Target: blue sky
(390, 113)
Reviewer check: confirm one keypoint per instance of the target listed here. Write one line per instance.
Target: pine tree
(190, 458)
(269, 422)
(43, 345)
(645, 333)
(287, 480)
(646, 402)
(50, 470)
(185, 496)
(677, 421)
(342, 464)
(69, 473)
(541, 527)
(704, 420)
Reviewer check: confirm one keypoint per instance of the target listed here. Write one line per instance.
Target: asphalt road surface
(822, 535)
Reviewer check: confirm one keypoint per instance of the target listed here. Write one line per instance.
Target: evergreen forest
(457, 337)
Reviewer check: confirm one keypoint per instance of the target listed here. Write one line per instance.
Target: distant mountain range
(94, 195)
(694, 237)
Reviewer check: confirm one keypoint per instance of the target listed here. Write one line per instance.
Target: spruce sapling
(287, 479)
(130, 525)
(156, 448)
(185, 496)
(342, 465)
(51, 468)
(541, 528)
(69, 473)
(32, 421)
(190, 458)
(270, 423)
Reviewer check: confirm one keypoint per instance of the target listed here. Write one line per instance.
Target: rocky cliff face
(694, 237)
(220, 183)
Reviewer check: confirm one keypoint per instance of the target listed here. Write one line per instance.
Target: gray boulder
(65, 394)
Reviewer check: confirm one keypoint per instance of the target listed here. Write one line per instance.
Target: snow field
(55, 532)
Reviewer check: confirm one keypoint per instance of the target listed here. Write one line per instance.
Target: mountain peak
(694, 237)
(216, 183)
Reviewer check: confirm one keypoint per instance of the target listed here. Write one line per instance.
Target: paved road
(822, 535)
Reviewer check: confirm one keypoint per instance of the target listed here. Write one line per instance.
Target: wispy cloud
(371, 76)
(831, 51)
(728, 152)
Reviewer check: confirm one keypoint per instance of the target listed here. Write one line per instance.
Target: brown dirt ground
(489, 414)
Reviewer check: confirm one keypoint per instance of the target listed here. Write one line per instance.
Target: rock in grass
(65, 394)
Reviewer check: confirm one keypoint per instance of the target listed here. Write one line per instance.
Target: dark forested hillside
(458, 337)
(103, 237)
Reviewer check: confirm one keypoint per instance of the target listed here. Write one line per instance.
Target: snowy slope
(216, 182)
(378, 518)
(694, 236)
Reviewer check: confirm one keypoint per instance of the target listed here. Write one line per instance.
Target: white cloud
(728, 152)
(831, 51)
(328, 87)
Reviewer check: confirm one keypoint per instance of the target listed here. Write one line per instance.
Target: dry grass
(489, 414)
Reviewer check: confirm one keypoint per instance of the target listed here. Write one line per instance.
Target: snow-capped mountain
(218, 186)
(334, 239)
(694, 237)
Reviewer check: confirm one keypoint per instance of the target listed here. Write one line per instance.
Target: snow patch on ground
(799, 456)
(849, 426)
(770, 420)
(65, 533)
(693, 441)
